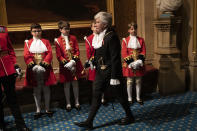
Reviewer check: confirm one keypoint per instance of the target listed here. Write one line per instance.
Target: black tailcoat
(108, 66)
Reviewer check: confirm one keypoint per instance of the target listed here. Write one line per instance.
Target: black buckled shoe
(131, 102)
(126, 121)
(23, 129)
(85, 125)
(2, 126)
(140, 102)
(49, 113)
(2, 129)
(78, 107)
(37, 115)
(68, 108)
(104, 103)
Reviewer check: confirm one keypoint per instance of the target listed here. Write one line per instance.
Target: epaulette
(3, 29)
(55, 40)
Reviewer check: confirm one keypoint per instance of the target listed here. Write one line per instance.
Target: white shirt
(133, 43)
(37, 46)
(67, 42)
(98, 39)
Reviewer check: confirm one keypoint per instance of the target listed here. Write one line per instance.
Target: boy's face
(93, 28)
(132, 31)
(36, 32)
(65, 31)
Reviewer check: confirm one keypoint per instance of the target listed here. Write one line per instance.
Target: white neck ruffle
(98, 39)
(37, 46)
(133, 43)
(67, 41)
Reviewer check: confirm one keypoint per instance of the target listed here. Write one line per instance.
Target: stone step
(26, 101)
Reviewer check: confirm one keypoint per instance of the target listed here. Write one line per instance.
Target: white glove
(70, 64)
(38, 69)
(91, 65)
(41, 69)
(35, 68)
(130, 65)
(114, 82)
(133, 65)
(18, 71)
(139, 63)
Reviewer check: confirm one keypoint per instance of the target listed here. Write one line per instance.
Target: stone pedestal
(192, 53)
(171, 76)
(193, 74)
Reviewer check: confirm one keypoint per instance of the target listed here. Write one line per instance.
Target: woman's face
(99, 26)
(132, 31)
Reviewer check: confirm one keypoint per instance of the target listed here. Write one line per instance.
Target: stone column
(193, 73)
(3, 14)
(145, 16)
(171, 76)
(193, 55)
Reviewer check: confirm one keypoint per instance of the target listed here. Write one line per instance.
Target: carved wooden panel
(125, 12)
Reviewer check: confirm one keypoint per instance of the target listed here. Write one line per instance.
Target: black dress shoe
(2, 129)
(131, 102)
(84, 124)
(2, 126)
(78, 107)
(37, 115)
(68, 109)
(140, 102)
(23, 129)
(49, 113)
(104, 103)
(126, 121)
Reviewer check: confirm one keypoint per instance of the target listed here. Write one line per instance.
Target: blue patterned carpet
(171, 113)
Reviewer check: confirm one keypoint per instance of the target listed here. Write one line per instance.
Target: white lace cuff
(114, 82)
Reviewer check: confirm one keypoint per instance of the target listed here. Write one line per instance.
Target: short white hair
(105, 17)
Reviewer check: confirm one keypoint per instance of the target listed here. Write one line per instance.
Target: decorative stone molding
(167, 24)
(164, 27)
(166, 35)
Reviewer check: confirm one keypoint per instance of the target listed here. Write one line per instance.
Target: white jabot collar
(98, 39)
(67, 41)
(37, 46)
(134, 43)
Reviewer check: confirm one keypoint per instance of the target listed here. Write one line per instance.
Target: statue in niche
(168, 6)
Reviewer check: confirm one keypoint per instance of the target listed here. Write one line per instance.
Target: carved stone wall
(145, 16)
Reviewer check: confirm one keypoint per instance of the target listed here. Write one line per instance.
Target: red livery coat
(62, 55)
(49, 78)
(90, 53)
(7, 54)
(126, 52)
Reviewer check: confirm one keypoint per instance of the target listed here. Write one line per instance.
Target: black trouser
(92, 92)
(101, 83)
(8, 83)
